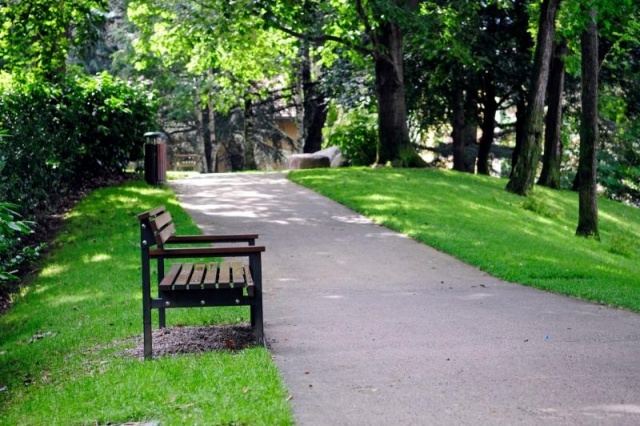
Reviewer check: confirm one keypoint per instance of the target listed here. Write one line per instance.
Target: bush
(355, 133)
(12, 255)
(60, 135)
(619, 166)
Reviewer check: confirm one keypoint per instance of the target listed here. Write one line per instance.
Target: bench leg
(146, 325)
(256, 322)
(162, 321)
(255, 264)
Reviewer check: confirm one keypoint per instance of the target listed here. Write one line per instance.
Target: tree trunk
(395, 145)
(249, 159)
(207, 133)
(314, 107)
(458, 129)
(587, 166)
(526, 166)
(552, 157)
(490, 108)
(521, 116)
(470, 127)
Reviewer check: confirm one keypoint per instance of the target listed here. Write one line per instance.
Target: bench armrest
(187, 239)
(205, 252)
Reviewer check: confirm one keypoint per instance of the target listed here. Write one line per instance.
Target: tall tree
(375, 30)
(552, 155)
(314, 103)
(587, 167)
(524, 171)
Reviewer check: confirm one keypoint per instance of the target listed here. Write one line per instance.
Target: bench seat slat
(226, 275)
(183, 277)
(211, 276)
(197, 276)
(224, 280)
(170, 277)
(237, 274)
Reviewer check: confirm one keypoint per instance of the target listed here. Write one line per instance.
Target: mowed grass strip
(61, 344)
(530, 241)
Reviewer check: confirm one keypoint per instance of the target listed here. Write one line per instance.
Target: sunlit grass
(528, 241)
(61, 343)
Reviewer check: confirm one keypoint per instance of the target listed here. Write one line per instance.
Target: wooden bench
(186, 162)
(210, 280)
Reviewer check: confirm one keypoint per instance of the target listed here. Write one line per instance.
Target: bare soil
(190, 340)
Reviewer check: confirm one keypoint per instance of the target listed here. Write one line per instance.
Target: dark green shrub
(60, 135)
(12, 254)
(619, 166)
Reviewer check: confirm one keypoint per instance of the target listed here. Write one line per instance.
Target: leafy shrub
(355, 133)
(60, 135)
(619, 166)
(12, 255)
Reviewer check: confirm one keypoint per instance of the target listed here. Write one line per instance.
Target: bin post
(155, 158)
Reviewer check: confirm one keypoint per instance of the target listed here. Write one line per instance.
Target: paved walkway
(369, 327)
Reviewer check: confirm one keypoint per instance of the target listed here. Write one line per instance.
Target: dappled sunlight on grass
(66, 328)
(100, 257)
(73, 299)
(51, 270)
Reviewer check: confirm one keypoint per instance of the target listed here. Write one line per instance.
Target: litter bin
(155, 158)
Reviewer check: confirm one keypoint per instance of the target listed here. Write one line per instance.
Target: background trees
(385, 79)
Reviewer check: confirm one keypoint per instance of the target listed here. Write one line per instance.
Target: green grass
(524, 240)
(85, 305)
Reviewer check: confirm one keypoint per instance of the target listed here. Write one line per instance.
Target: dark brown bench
(212, 279)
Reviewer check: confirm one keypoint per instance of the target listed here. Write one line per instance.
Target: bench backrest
(158, 224)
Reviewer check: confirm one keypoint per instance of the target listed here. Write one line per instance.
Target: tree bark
(207, 133)
(458, 129)
(552, 156)
(524, 171)
(314, 107)
(392, 110)
(490, 108)
(249, 159)
(521, 116)
(587, 166)
(392, 118)
(470, 127)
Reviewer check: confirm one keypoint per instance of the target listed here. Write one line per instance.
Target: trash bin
(155, 158)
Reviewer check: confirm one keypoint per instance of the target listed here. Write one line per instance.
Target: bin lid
(155, 135)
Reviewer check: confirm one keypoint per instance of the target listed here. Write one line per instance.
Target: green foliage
(36, 35)
(63, 133)
(355, 132)
(472, 218)
(12, 256)
(221, 49)
(62, 342)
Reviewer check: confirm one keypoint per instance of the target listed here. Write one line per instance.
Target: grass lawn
(61, 343)
(524, 240)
